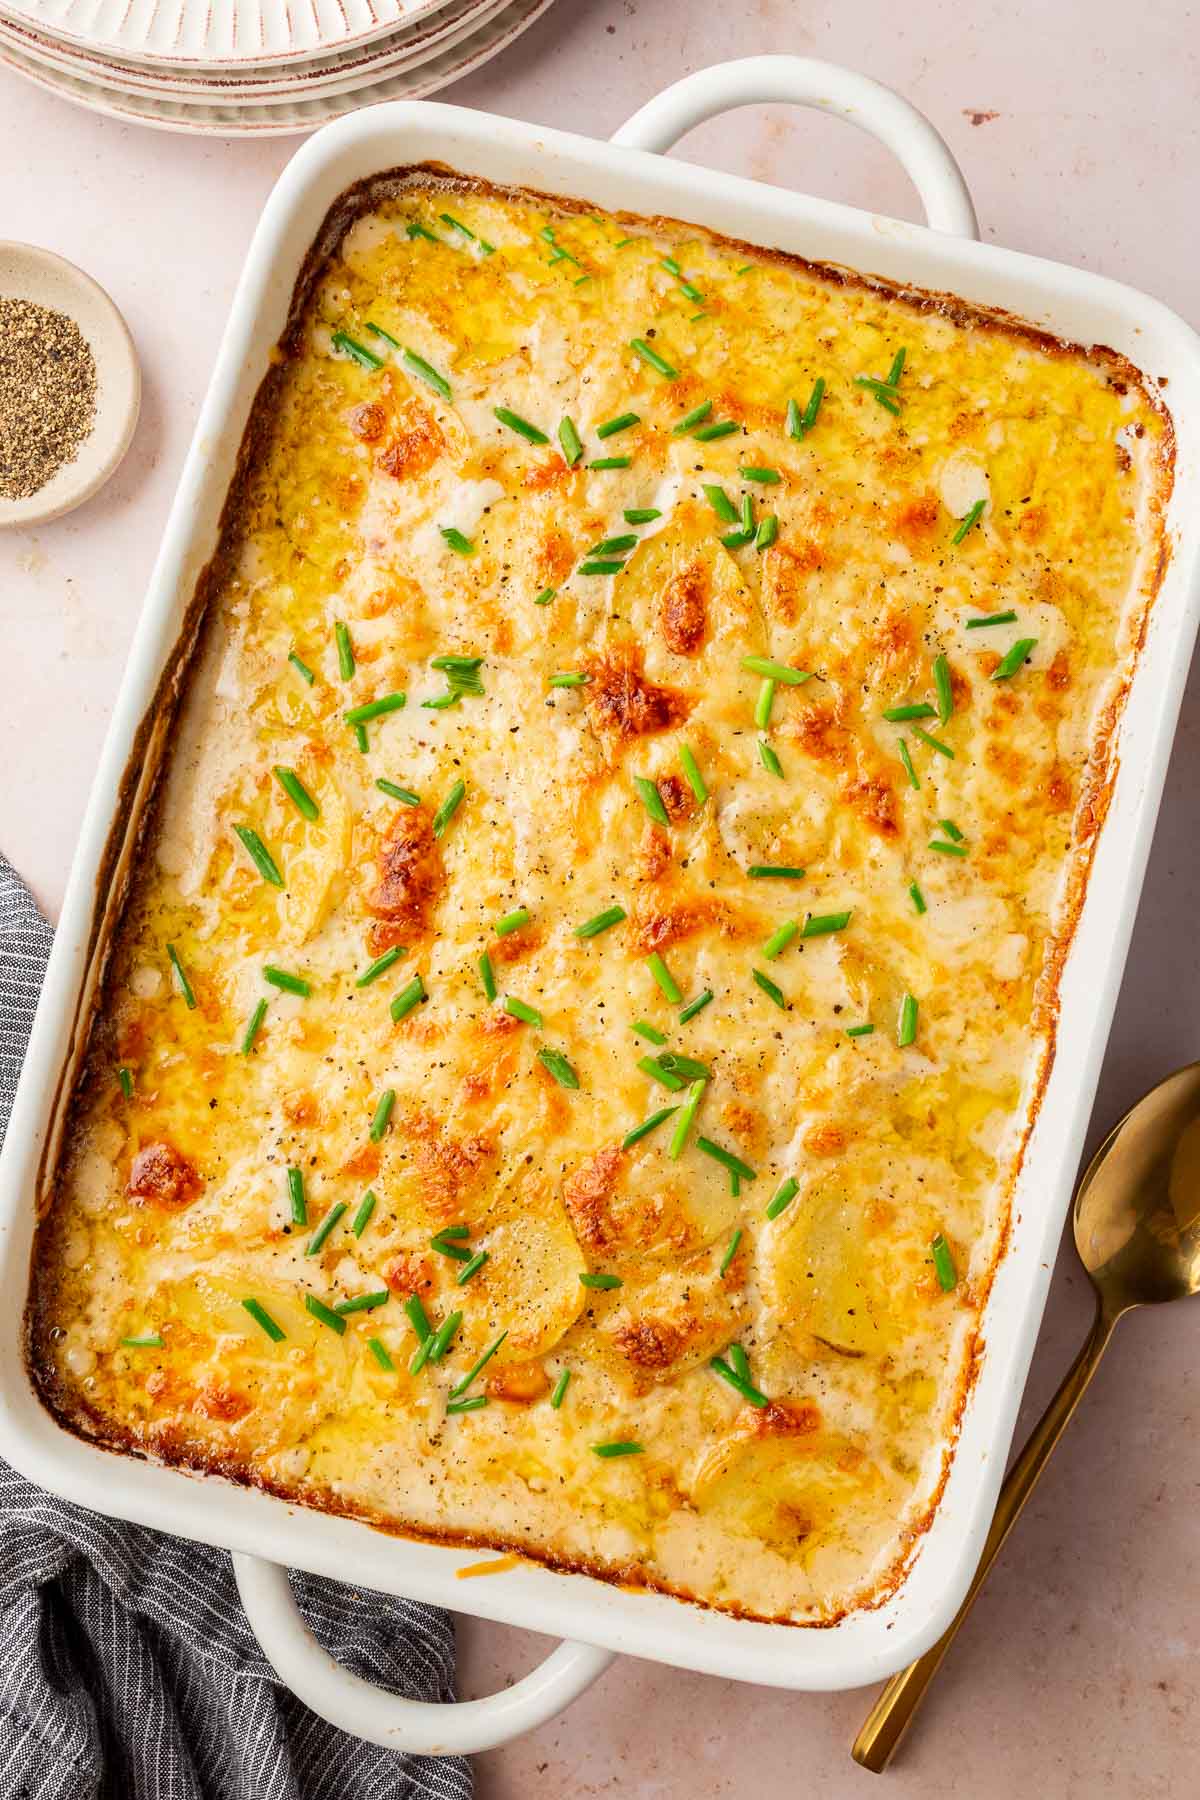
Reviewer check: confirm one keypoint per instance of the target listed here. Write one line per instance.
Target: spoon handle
(893, 1712)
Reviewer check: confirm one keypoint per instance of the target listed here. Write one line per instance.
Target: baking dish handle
(803, 81)
(421, 1727)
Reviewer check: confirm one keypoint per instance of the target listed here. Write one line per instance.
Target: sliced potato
(529, 1286)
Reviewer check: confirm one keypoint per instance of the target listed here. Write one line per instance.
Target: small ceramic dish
(27, 273)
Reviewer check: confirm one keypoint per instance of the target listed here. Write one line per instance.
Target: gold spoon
(1137, 1231)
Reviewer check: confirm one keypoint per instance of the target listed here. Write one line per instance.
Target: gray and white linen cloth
(128, 1670)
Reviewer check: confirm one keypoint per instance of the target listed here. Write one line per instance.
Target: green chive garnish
(417, 1318)
(764, 703)
(345, 649)
(351, 347)
(650, 355)
(259, 855)
(590, 1280)
(747, 516)
(664, 978)
(770, 988)
(783, 1197)
(381, 963)
(768, 531)
(947, 849)
(951, 830)
(773, 872)
(362, 1217)
(731, 1252)
(379, 1352)
(690, 420)
(445, 1247)
(641, 515)
(295, 1184)
(415, 229)
(917, 897)
(708, 434)
(745, 1388)
(470, 1269)
(559, 1067)
(695, 1006)
(462, 1386)
(601, 921)
(303, 669)
(651, 799)
(615, 546)
(610, 462)
(779, 940)
(324, 1314)
(1012, 659)
(720, 502)
(521, 426)
(439, 1343)
(627, 1447)
(383, 1113)
(1000, 618)
(406, 999)
(457, 540)
(487, 976)
(622, 422)
(385, 335)
(686, 1117)
(647, 1126)
(569, 678)
(727, 1159)
(650, 1065)
(448, 808)
(907, 1029)
(601, 566)
(455, 1407)
(185, 986)
(906, 759)
(776, 671)
(291, 984)
(296, 792)
(427, 373)
(512, 921)
(125, 1077)
(149, 1340)
(560, 1388)
(967, 521)
(933, 743)
(545, 597)
(651, 1033)
(465, 231)
(375, 709)
(799, 424)
(691, 770)
(687, 1066)
(821, 924)
(261, 1316)
(405, 796)
(945, 690)
(943, 1263)
(769, 759)
(517, 1009)
(859, 1030)
(918, 709)
(568, 437)
(324, 1228)
(252, 1029)
(766, 477)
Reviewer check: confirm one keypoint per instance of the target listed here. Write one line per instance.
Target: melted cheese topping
(172, 1206)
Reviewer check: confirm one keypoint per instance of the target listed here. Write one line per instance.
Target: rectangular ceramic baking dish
(627, 175)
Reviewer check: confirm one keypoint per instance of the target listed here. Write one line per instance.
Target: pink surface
(1078, 128)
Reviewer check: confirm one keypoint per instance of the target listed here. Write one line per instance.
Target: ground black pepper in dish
(47, 395)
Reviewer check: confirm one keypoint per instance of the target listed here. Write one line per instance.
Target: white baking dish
(866, 1645)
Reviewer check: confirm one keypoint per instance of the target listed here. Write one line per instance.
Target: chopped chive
(362, 1217)
(262, 1317)
(259, 855)
(737, 1359)
(1012, 659)
(324, 1228)
(686, 1117)
(454, 1408)
(512, 921)
(569, 678)
(944, 686)
(744, 270)
(720, 502)
(457, 540)
(487, 976)
(522, 427)
(185, 986)
(296, 792)
(664, 978)
(764, 703)
(691, 770)
(448, 808)
(735, 1184)
(560, 1389)
(149, 1340)
(427, 373)
(897, 368)
(687, 1066)
(918, 709)
(302, 669)
(462, 1386)
(947, 849)
(951, 830)
(367, 359)
(651, 799)
(776, 671)
(917, 897)
(559, 1067)
(360, 738)
(375, 709)
(773, 872)
(779, 940)
(794, 420)
(650, 1065)
(933, 743)
(295, 1186)
(967, 521)
(517, 1009)
(821, 924)
(626, 1447)
(859, 1030)
(439, 1343)
(444, 1247)
(647, 1126)
(405, 796)
(417, 1318)
(324, 1314)
(768, 531)
(379, 1352)
(601, 566)
(651, 1033)
(906, 1030)
(414, 229)
(383, 1113)
(376, 969)
(622, 422)
(695, 1006)
(610, 462)
(765, 477)
(641, 515)
(345, 649)
(734, 540)
(589, 1279)
(385, 335)
(745, 1388)
(768, 758)
(252, 1029)
(545, 597)
(799, 424)
(783, 1197)
(770, 988)
(882, 390)
(470, 1269)
(727, 1159)
(406, 999)
(731, 1252)
(690, 420)
(747, 515)
(125, 1077)
(708, 434)
(455, 1231)
(649, 355)
(906, 759)
(568, 437)
(943, 1263)
(601, 921)
(1000, 618)
(615, 546)
(291, 984)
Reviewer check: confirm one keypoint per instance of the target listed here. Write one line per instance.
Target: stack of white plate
(251, 68)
